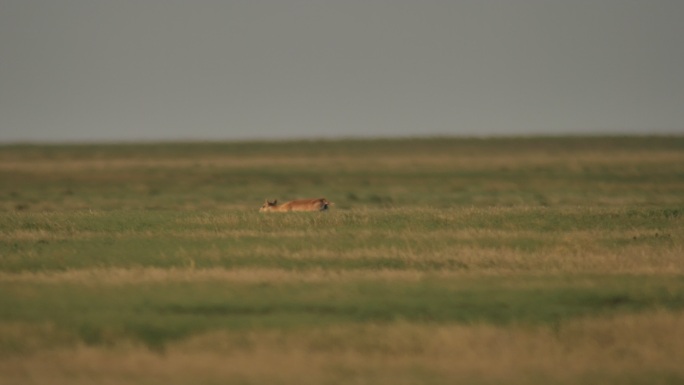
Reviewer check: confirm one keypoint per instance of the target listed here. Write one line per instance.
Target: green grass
(355, 174)
(419, 239)
(518, 260)
(159, 313)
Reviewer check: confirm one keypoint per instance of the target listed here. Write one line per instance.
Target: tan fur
(318, 204)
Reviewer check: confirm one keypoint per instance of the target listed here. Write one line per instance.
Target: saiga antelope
(320, 204)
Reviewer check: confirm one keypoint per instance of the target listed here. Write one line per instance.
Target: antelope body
(319, 204)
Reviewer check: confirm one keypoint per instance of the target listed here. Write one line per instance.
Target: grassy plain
(520, 261)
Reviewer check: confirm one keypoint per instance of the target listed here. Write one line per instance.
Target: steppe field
(443, 261)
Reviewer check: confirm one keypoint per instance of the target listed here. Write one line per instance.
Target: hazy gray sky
(91, 70)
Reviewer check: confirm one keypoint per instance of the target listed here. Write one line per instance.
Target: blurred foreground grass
(444, 260)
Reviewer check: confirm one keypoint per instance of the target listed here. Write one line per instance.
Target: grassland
(522, 261)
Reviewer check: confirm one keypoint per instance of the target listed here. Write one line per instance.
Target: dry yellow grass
(618, 349)
(116, 276)
(444, 261)
(565, 258)
(509, 158)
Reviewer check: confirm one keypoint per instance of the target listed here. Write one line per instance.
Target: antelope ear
(275, 201)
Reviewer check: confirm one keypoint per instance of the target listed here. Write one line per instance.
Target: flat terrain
(480, 261)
